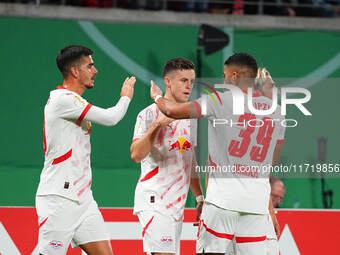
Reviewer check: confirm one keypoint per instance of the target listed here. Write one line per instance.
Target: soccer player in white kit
(165, 148)
(265, 84)
(67, 212)
(237, 200)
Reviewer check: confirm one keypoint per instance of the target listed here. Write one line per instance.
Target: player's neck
(73, 86)
(244, 86)
(170, 97)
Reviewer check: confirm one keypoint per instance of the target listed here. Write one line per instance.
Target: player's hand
(155, 90)
(198, 213)
(164, 120)
(128, 87)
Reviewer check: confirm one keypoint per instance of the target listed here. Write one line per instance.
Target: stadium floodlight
(211, 40)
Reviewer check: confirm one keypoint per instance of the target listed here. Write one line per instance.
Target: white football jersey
(240, 150)
(67, 148)
(165, 172)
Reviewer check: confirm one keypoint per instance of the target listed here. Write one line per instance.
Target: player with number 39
(237, 201)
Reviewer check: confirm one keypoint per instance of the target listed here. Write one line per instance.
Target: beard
(89, 86)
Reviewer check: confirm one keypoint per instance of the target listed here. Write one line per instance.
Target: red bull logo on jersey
(181, 145)
(56, 244)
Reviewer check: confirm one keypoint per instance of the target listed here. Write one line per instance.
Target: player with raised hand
(67, 212)
(265, 84)
(165, 149)
(237, 200)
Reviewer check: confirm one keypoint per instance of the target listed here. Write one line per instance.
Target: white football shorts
(272, 247)
(219, 226)
(160, 233)
(63, 221)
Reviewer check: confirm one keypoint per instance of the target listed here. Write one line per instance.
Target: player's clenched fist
(128, 87)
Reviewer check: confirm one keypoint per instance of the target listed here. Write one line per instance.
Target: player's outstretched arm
(111, 116)
(172, 109)
(141, 147)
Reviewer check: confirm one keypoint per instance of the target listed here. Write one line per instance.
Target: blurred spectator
(175, 5)
(96, 3)
(270, 7)
(238, 7)
(335, 5)
(319, 8)
(195, 5)
(220, 8)
(279, 9)
(313, 8)
(154, 5)
(278, 191)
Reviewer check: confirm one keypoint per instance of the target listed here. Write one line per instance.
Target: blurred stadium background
(132, 42)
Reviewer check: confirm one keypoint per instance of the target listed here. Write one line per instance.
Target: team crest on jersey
(167, 240)
(79, 100)
(181, 145)
(137, 128)
(56, 244)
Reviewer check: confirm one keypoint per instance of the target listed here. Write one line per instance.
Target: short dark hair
(243, 60)
(177, 64)
(69, 55)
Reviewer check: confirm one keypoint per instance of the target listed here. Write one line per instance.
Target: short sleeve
(143, 122)
(70, 106)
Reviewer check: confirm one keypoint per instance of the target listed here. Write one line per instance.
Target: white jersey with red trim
(165, 172)
(240, 152)
(67, 148)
